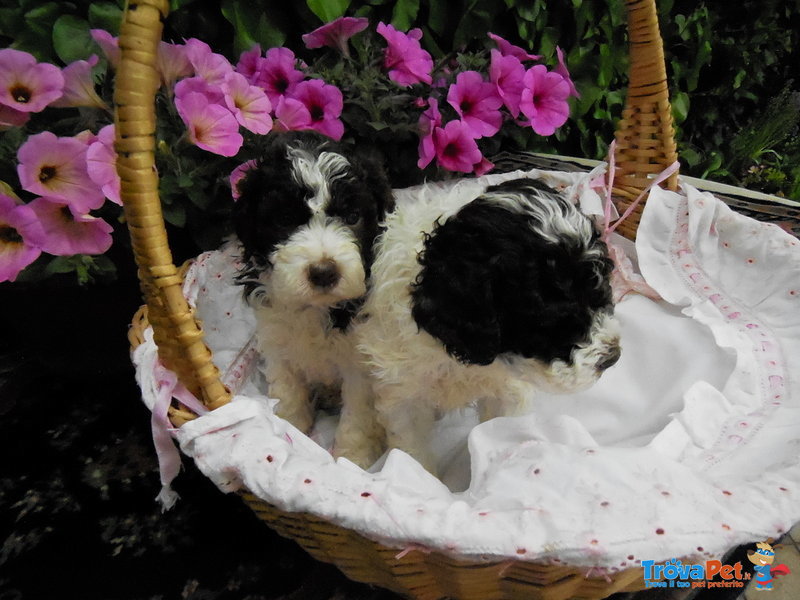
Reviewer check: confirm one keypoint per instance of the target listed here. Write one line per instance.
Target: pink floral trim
(766, 350)
(240, 369)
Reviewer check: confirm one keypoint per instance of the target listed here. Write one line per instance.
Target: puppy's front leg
(290, 389)
(408, 421)
(511, 401)
(359, 437)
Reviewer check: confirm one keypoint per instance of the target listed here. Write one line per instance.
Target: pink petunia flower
(207, 64)
(508, 49)
(404, 59)
(483, 167)
(456, 149)
(507, 74)
(324, 103)
(477, 103)
(248, 103)
(101, 164)
(27, 85)
(291, 115)
(67, 232)
(277, 74)
(56, 167)
(213, 93)
(21, 237)
(336, 33)
(429, 120)
(108, 44)
(561, 69)
(544, 100)
(211, 127)
(238, 174)
(173, 63)
(79, 86)
(11, 117)
(86, 137)
(249, 64)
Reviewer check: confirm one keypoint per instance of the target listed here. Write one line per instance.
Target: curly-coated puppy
(480, 299)
(307, 216)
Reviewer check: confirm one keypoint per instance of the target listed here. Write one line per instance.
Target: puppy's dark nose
(609, 359)
(324, 274)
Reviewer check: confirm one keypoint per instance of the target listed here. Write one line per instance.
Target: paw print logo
(763, 559)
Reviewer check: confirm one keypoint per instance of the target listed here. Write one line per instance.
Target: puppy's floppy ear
(372, 173)
(452, 298)
(245, 209)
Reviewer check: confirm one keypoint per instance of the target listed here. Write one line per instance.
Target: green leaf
(105, 15)
(185, 181)
(10, 21)
(175, 214)
(71, 39)
(438, 17)
(404, 14)
(61, 264)
(200, 197)
(328, 10)
(680, 106)
(528, 11)
(690, 157)
(429, 43)
(41, 19)
(251, 26)
(178, 4)
(477, 20)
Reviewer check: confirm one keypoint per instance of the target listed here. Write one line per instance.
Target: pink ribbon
(608, 229)
(169, 459)
(624, 280)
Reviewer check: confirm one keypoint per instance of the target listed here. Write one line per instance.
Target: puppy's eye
(352, 217)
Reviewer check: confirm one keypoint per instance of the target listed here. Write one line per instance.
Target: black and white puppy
(482, 299)
(307, 217)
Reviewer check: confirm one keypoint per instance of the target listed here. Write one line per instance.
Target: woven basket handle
(177, 333)
(645, 135)
(645, 146)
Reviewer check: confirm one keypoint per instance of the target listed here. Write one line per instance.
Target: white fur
(299, 346)
(321, 240)
(414, 378)
(317, 173)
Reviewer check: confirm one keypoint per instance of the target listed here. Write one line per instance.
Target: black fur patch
(490, 285)
(343, 313)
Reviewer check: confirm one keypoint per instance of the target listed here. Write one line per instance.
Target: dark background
(78, 517)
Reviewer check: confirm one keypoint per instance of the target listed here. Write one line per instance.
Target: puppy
(480, 299)
(307, 217)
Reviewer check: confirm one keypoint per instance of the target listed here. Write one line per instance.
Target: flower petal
(68, 234)
(56, 167)
(26, 85)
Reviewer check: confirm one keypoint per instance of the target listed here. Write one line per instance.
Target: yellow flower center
(46, 173)
(9, 235)
(21, 94)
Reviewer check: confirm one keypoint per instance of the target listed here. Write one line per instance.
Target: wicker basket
(644, 146)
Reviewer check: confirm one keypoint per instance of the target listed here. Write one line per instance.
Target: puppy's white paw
(298, 414)
(364, 455)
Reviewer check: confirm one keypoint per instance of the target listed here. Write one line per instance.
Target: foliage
(57, 144)
(732, 71)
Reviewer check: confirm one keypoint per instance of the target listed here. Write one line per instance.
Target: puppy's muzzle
(324, 275)
(609, 358)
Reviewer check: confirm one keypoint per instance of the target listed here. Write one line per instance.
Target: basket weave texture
(645, 146)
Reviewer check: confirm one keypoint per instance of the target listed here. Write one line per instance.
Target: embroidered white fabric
(687, 447)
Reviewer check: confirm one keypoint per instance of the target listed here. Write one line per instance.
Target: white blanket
(687, 447)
